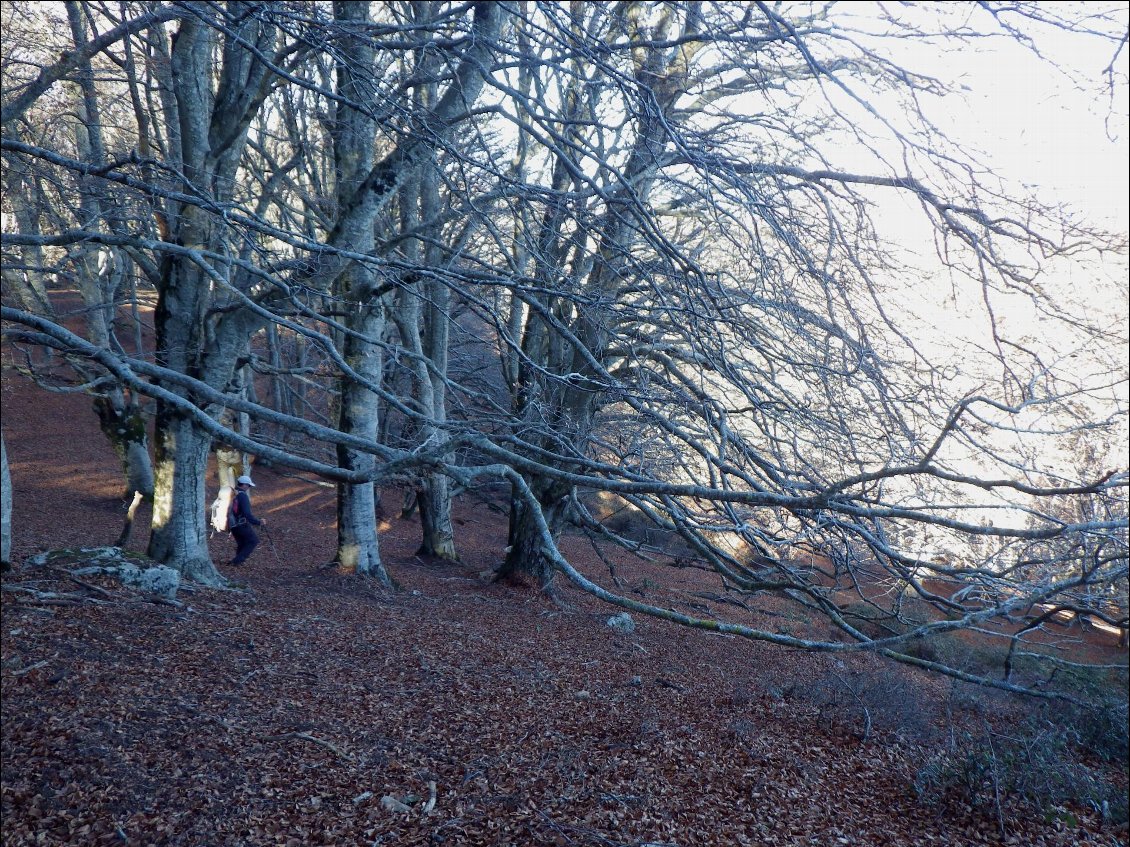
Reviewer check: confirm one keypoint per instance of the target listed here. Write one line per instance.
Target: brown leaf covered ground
(283, 712)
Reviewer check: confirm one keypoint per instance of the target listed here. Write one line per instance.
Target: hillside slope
(283, 712)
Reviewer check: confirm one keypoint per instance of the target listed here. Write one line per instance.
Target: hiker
(241, 521)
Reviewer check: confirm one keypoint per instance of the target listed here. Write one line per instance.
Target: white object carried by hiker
(237, 518)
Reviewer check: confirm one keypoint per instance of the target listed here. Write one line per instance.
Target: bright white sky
(1039, 130)
(1031, 125)
(1029, 119)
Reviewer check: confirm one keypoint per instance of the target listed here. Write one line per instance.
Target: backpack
(222, 514)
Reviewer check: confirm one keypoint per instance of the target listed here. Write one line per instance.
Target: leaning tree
(718, 240)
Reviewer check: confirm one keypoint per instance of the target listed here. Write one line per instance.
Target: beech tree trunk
(358, 548)
(422, 320)
(563, 411)
(208, 112)
(124, 426)
(180, 535)
(526, 555)
(5, 506)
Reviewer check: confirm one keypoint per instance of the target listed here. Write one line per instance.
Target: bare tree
(671, 224)
(210, 301)
(99, 273)
(354, 134)
(714, 277)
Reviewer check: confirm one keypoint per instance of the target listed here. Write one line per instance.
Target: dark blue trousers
(246, 540)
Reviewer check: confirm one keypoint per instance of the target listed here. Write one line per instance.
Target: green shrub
(1099, 729)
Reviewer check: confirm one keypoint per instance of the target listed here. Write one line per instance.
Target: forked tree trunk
(526, 555)
(205, 105)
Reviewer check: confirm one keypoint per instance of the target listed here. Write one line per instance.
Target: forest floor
(295, 707)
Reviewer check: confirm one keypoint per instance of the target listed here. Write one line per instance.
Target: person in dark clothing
(242, 521)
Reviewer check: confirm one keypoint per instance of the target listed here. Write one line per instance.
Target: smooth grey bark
(5, 506)
(179, 537)
(437, 534)
(354, 137)
(362, 195)
(421, 317)
(433, 493)
(414, 149)
(206, 136)
(179, 534)
(210, 129)
(358, 547)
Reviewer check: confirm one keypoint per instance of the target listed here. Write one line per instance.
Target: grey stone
(162, 581)
(391, 804)
(129, 574)
(622, 623)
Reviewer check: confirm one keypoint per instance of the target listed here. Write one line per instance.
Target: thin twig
(97, 589)
(30, 668)
(305, 736)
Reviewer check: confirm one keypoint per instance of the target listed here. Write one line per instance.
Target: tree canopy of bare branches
(723, 266)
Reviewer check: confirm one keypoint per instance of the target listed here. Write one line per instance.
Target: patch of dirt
(285, 712)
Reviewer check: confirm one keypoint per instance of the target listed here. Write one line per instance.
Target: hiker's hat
(245, 480)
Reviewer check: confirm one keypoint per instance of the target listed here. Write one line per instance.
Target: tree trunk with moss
(125, 427)
(526, 548)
